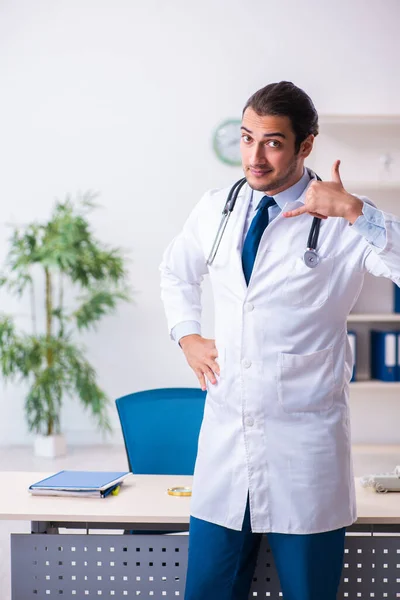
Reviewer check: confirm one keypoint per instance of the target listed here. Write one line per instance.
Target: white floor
(367, 459)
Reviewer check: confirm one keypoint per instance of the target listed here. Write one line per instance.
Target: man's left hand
(329, 199)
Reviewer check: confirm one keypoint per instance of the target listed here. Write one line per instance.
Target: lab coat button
(248, 307)
(249, 422)
(246, 363)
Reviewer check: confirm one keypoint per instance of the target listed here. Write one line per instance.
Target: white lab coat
(277, 423)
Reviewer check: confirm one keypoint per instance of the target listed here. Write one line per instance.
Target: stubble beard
(278, 182)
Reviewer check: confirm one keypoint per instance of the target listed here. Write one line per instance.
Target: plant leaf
(101, 302)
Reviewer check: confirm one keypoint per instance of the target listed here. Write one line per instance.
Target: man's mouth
(259, 172)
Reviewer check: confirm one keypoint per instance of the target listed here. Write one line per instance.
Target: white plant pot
(50, 446)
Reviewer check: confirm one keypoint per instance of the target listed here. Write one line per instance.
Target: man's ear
(306, 146)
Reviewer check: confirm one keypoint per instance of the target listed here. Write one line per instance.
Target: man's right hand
(200, 354)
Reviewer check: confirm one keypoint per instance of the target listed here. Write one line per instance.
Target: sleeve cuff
(371, 225)
(185, 328)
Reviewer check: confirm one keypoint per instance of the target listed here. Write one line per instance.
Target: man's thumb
(335, 172)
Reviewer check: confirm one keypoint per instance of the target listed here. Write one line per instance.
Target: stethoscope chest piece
(311, 258)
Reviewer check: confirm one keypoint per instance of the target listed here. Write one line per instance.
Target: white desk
(143, 501)
(118, 565)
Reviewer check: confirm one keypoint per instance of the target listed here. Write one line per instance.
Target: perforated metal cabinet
(371, 570)
(116, 566)
(154, 566)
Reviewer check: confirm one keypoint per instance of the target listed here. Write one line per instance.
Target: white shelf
(375, 384)
(332, 119)
(374, 317)
(359, 186)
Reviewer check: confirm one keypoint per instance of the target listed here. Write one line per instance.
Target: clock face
(226, 142)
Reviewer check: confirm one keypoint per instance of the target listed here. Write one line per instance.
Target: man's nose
(257, 155)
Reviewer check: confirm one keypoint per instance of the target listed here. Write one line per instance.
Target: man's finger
(318, 215)
(214, 366)
(335, 172)
(202, 381)
(209, 374)
(296, 212)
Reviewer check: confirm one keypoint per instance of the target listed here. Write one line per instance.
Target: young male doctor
(274, 452)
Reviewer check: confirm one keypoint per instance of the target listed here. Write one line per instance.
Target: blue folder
(398, 357)
(79, 483)
(384, 355)
(396, 293)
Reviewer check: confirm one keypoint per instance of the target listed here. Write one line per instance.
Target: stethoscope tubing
(312, 259)
(226, 213)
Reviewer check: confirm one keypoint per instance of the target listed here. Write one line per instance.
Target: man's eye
(274, 143)
(245, 138)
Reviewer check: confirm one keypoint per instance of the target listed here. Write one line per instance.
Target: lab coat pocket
(309, 287)
(306, 382)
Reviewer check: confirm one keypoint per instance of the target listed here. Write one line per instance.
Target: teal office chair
(161, 429)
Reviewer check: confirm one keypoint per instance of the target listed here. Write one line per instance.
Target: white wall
(122, 97)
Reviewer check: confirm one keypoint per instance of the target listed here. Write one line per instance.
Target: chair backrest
(161, 429)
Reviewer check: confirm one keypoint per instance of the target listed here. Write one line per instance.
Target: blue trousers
(222, 561)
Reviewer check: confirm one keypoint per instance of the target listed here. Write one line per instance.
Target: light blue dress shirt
(371, 225)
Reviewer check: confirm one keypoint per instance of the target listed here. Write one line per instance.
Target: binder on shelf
(384, 355)
(398, 357)
(353, 344)
(396, 294)
(84, 484)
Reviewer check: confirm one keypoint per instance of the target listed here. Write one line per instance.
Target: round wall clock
(226, 142)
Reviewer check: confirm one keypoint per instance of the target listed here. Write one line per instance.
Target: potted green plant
(82, 280)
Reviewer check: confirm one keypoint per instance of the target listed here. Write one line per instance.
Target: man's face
(267, 146)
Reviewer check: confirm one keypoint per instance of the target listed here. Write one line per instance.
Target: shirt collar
(291, 194)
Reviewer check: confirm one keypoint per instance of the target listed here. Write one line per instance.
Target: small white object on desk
(383, 482)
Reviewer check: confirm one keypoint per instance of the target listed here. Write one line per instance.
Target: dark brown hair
(286, 99)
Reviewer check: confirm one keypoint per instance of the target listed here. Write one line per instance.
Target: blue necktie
(253, 237)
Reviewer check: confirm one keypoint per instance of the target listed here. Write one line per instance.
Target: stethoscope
(310, 257)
